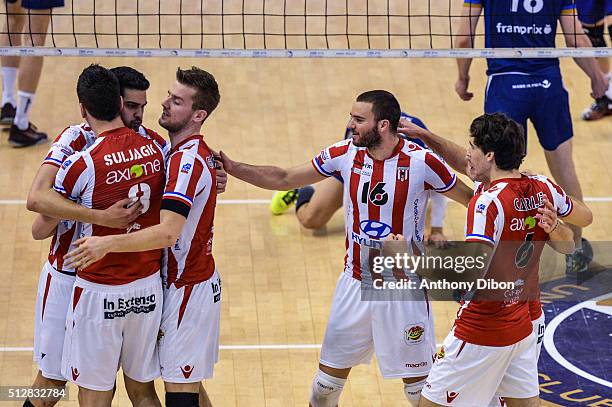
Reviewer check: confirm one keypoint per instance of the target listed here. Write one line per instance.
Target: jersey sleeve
(561, 201)
(438, 175)
(72, 178)
(183, 174)
(329, 161)
(482, 214)
(70, 141)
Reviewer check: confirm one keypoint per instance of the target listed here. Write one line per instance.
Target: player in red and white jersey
(492, 347)
(56, 279)
(456, 157)
(386, 180)
(189, 342)
(119, 164)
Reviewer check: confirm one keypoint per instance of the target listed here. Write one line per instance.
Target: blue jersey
(522, 24)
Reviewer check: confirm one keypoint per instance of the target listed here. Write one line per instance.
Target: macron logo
(187, 370)
(522, 29)
(75, 373)
(451, 396)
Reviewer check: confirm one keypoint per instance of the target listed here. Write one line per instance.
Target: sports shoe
(25, 138)
(577, 264)
(602, 107)
(282, 200)
(7, 114)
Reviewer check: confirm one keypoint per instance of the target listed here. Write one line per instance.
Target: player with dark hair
(20, 14)
(386, 179)
(314, 207)
(134, 87)
(493, 329)
(532, 89)
(189, 342)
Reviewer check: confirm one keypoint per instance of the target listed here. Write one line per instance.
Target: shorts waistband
(142, 282)
(64, 275)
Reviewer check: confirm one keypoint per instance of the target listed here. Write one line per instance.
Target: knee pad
(413, 392)
(596, 35)
(182, 400)
(326, 390)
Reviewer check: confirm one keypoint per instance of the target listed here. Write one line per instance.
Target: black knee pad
(182, 400)
(596, 35)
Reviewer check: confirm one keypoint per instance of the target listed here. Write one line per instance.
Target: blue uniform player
(315, 207)
(532, 88)
(594, 16)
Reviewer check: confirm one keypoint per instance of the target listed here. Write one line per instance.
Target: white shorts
(469, 375)
(190, 327)
(539, 326)
(110, 326)
(401, 333)
(52, 300)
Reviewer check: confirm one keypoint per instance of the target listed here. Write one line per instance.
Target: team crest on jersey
(402, 173)
(186, 168)
(66, 164)
(480, 208)
(210, 161)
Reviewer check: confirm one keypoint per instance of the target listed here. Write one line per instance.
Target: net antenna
(266, 28)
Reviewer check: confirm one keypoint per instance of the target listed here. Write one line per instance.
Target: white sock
(24, 106)
(9, 78)
(413, 392)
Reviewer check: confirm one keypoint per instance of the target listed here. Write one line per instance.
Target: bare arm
(43, 227)
(561, 236)
(460, 193)
(580, 215)
(465, 39)
(93, 248)
(270, 177)
(452, 153)
(575, 37)
(44, 200)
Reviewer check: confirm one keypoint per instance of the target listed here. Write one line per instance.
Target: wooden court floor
(277, 279)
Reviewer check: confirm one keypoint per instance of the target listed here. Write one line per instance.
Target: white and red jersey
(383, 197)
(191, 191)
(71, 140)
(120, 164)
(503, 216)
(151, 134)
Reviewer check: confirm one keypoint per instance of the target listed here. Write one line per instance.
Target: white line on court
(304, 346)
(593, 199)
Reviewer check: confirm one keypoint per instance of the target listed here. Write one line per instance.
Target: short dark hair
(503, 136)
(207, 91)
(130, 78)
(384, 106)
(98, 91)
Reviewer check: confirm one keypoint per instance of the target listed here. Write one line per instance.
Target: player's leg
(552, 121)
(141, 394)
(203, 396)
(29, 76)
(348, 342)
(189, 345)
(95, 398)
(316, 210)
(13, 24)
(519, 387)
(41, 382)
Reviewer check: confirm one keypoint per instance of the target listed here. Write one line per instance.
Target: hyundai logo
(375, 229)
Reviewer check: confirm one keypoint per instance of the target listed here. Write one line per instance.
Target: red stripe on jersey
(186, 295)
(469, 223)
(196, 173)
(76, 296)
(62, 248)
(378, 173)
(535, 308)
(492, 212)
(79, 143)
(440, 169)
(73, 174)
(354, 189)
(155, 136)
(337, 151)
(173, 168)
(47, 285)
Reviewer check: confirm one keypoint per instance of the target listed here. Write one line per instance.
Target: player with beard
(189, 342)
(386, 179)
